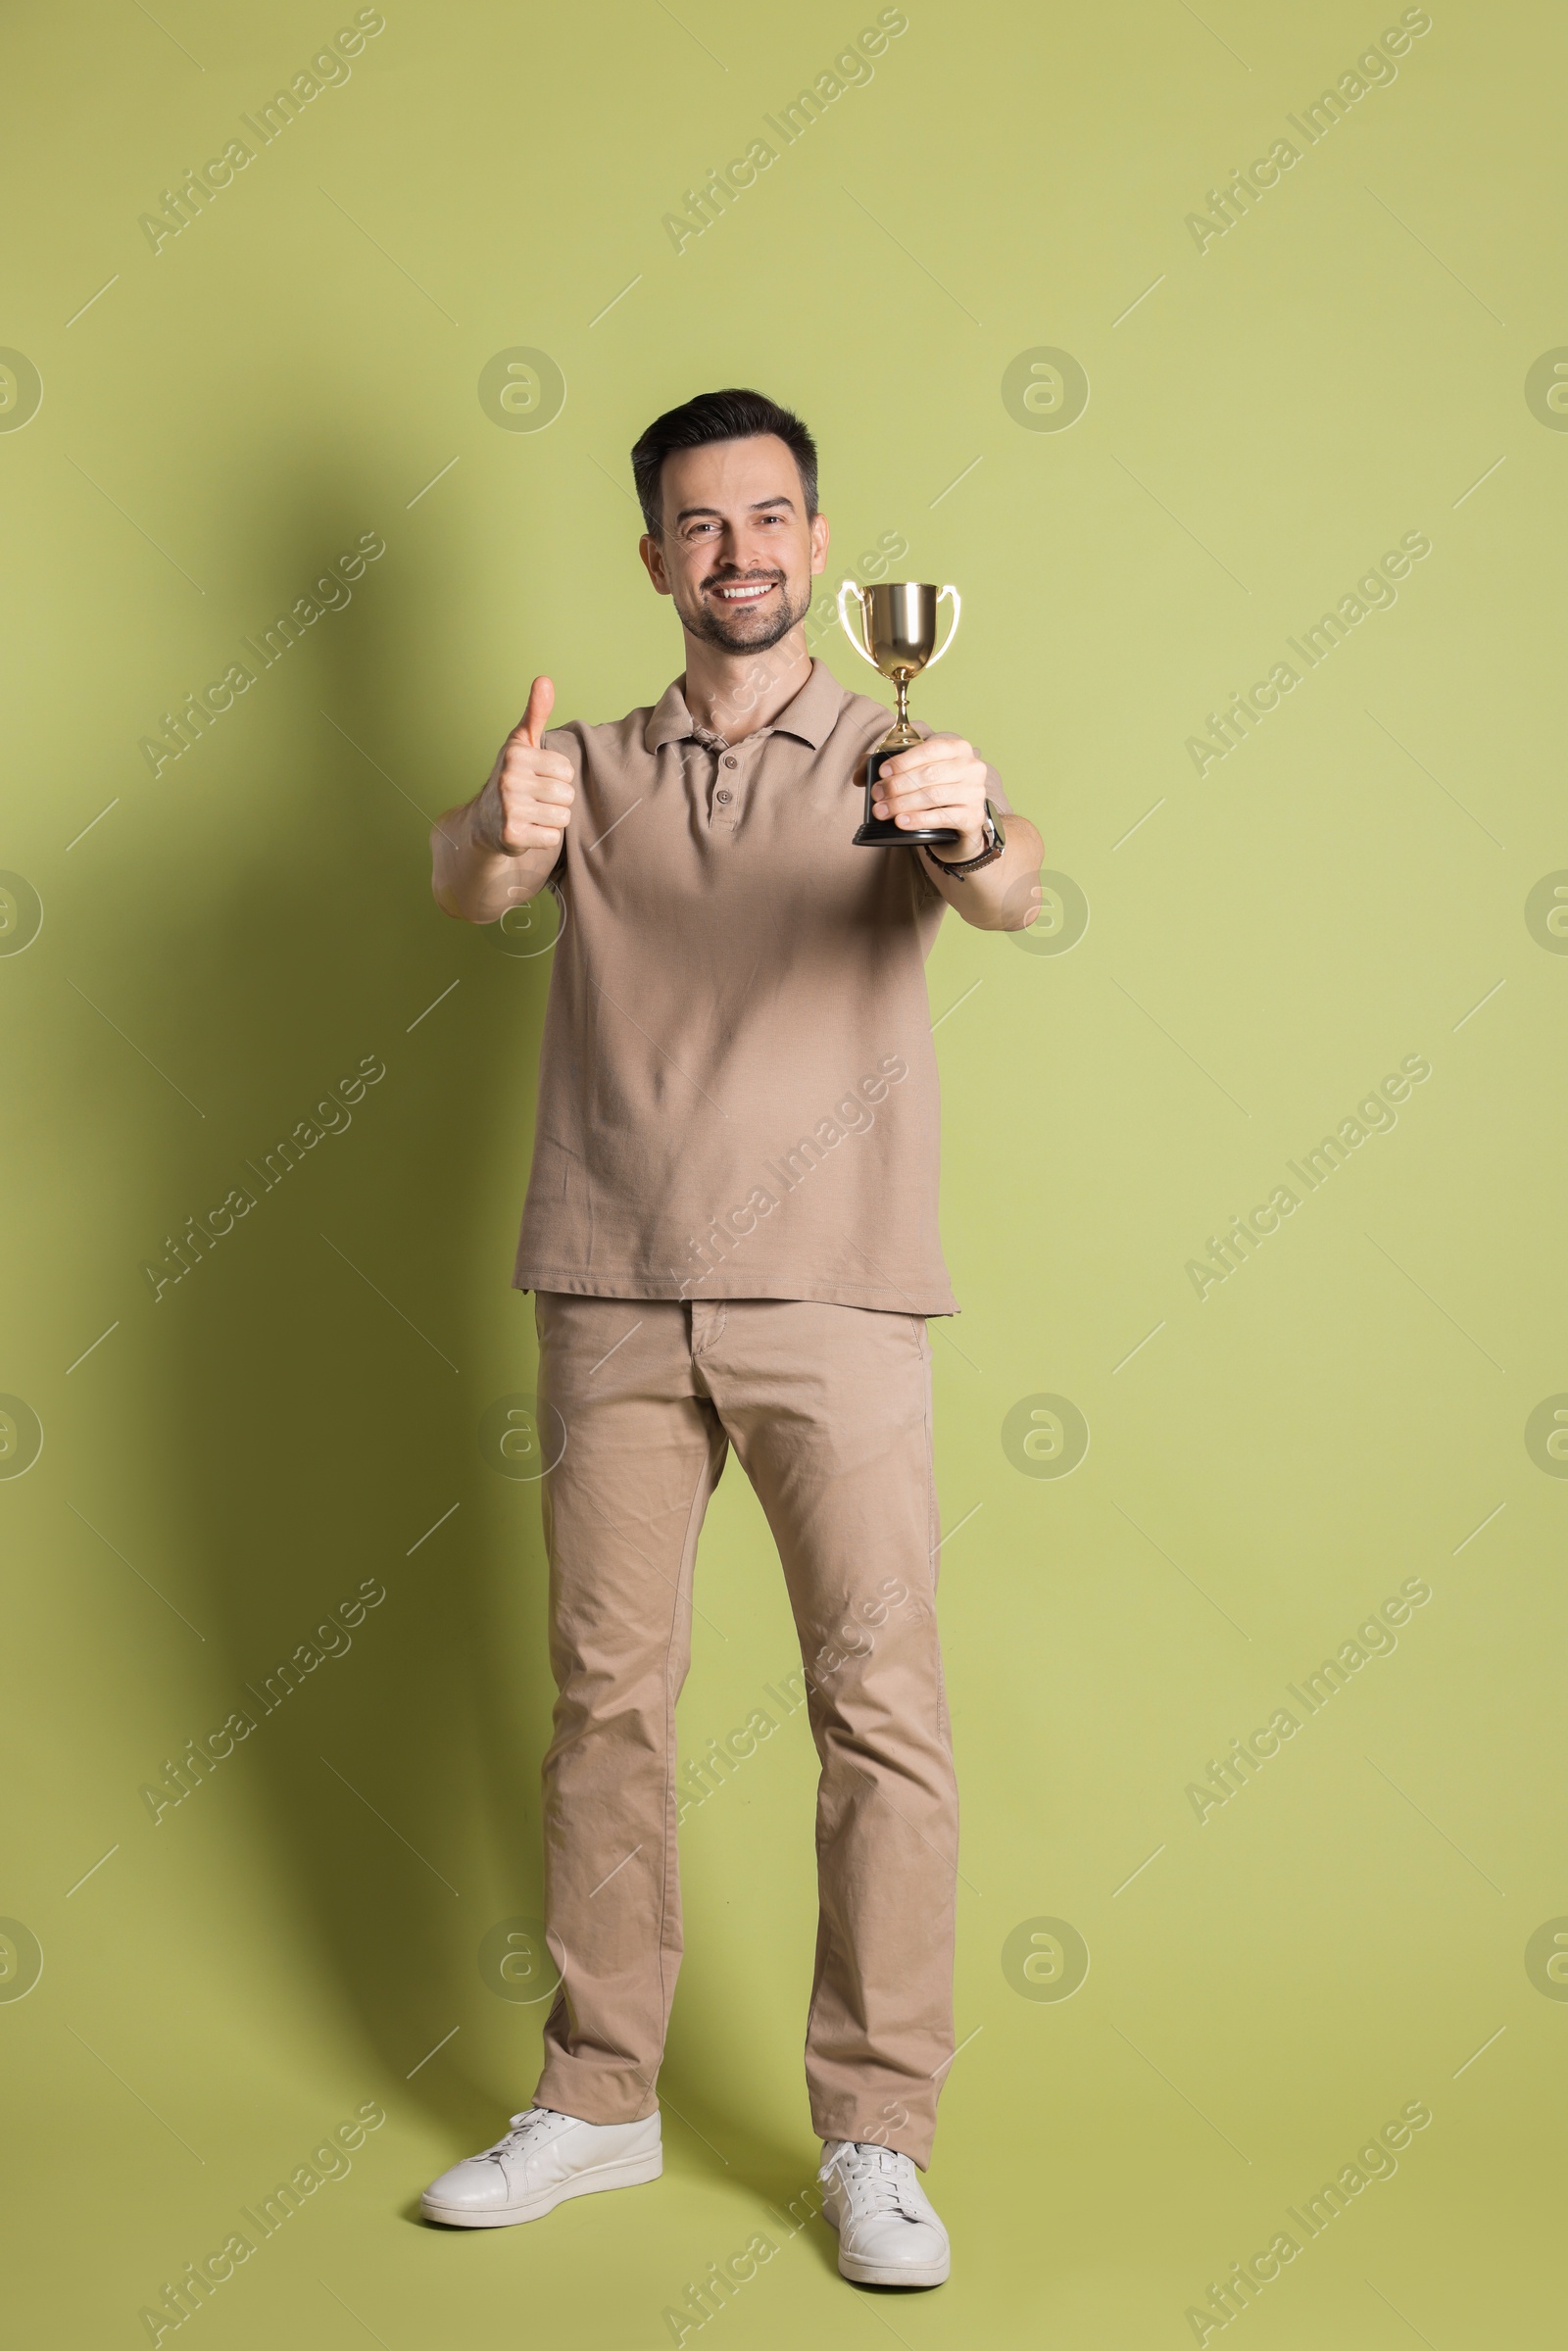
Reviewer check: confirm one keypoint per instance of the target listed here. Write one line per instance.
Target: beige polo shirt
(737, 1084)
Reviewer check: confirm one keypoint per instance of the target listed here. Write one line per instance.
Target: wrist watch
(996, 843)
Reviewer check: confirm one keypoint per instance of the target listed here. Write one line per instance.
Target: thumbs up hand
(526, 805)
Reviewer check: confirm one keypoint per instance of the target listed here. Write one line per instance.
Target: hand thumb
(536, 718)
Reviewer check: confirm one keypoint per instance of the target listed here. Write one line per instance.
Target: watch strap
(988, 855)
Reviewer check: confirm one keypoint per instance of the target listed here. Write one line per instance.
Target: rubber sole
(872, 2273)
(631, 2172)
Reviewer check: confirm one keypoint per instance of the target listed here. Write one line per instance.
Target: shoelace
(877, 2181)
(524, 2126)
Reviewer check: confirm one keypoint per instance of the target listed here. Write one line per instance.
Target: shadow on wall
(336, 1350)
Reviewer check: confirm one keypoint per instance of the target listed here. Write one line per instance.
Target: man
(730, 1230)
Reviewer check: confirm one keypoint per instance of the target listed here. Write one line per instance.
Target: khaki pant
(829, 1408)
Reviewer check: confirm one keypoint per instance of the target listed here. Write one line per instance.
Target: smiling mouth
(744, 591)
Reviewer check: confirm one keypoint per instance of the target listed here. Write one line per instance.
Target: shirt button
(721, 796)
(731, 760)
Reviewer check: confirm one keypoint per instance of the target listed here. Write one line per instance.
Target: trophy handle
(953, 630)
(851, 588)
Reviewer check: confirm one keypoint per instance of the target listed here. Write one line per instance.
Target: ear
(652, 551)
(820, 540)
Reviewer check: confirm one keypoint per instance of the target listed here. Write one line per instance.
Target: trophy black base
(880, 832)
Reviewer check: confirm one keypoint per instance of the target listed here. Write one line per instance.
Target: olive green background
(1265, 418)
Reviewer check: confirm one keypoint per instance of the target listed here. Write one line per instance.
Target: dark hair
(733, 415)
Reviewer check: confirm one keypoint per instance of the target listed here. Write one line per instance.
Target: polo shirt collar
(812, 716)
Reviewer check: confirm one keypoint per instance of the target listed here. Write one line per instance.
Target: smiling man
(731, 1234)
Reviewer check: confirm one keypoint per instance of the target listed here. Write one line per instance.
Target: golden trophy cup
(898, 620)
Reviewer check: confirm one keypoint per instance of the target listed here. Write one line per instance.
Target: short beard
(715, 630)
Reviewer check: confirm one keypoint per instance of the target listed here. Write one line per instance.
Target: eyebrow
(758, 505)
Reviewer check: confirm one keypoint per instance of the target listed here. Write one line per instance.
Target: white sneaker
(889, 2233)
(544, 2158)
